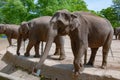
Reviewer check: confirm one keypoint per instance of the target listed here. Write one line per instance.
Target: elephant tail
(111, 53)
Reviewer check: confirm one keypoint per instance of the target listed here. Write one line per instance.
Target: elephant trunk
(51, 35)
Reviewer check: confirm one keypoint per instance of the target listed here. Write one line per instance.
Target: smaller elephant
(36, 31)
(117, 32)
(10, 30)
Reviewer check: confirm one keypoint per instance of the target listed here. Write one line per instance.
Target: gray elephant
(36, 31)
(10, 30)
(85, 30)
(117, 32)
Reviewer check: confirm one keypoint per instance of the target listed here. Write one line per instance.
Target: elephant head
(62, 23)
(23, 34)
(2, 29)
(24, 30)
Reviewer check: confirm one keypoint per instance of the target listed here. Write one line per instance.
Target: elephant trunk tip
(36, 72)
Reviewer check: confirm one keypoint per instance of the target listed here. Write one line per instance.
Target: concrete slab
(4, 76)
(63, 70)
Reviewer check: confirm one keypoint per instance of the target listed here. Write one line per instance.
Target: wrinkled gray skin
(117, 32)
(36, 31)
(10, 30)
(85, 30)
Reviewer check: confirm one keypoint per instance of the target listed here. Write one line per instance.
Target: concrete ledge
(18, 61)
(4, 76)
(60, 70)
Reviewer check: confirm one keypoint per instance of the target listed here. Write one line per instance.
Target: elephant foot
(77, 73)
(56, 53)
(104, 66)
(62, 57)
(26, 54)
(18, 54)
(36, 56)
(90, 64)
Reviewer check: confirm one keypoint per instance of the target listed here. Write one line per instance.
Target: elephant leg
(85, 57)
(42, 49)
(105, 55)
(60, 47)
(105, 50)
(116, 36)
(62, 53)
(104, 62)
(10, 41)
(78, 53)
(29, 46)
(92, 57)
(36, 46)
(57, 51)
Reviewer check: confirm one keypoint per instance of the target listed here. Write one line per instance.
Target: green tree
(13, 11)
(110, 14)
(30, 6)
(49, 7)
(116, 6)
(16, 11)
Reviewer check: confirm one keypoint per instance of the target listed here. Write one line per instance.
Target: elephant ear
(2, 27)
(30, 25)
(24, 27)
(74, 22)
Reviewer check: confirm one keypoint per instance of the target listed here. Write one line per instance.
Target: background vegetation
(16, 11)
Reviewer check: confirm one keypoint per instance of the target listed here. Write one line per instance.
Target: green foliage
(13, 11)
(49, 7)
(31, 9)
(116, 2)
(110, 14)
(116, 6)
(16, 11)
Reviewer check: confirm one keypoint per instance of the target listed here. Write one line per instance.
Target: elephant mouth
(62, 33)
(65, 33)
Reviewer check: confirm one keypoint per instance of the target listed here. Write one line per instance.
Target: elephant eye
(67, 17)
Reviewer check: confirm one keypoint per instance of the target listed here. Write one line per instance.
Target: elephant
(117, 32)
(85, 30)
(36, 30)
(10, 30)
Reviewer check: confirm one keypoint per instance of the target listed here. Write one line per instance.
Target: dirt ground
(113, 62)
(3, 43)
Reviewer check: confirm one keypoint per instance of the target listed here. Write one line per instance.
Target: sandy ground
(113, 62)
(3, 43)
